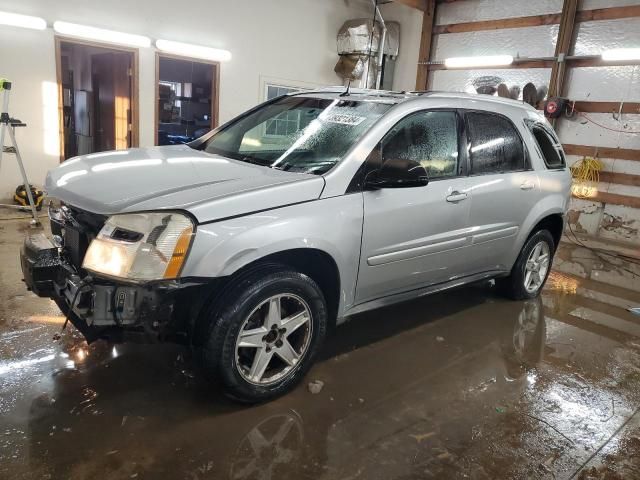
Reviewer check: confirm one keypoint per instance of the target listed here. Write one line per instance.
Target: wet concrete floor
(462, 384)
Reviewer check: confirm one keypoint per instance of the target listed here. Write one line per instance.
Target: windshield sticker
(345, 119)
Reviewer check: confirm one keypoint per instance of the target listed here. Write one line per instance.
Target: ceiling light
(24, 21)
(617, 54)
(101, 35)
(487, 61)
(190, 50)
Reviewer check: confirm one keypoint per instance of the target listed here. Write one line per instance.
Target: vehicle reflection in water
(524, 350)
(270, 449)
(393, 379)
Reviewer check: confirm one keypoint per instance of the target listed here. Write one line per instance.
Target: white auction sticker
(345, 119)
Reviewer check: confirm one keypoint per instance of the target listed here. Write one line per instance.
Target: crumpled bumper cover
(104, 308)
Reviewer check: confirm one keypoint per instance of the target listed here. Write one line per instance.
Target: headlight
(141, 246)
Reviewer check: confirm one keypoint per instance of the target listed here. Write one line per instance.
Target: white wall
(410, 21)
(292, 41)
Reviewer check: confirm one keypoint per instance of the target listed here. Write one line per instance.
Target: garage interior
(97, 103)
(459, 384)
(187, 100)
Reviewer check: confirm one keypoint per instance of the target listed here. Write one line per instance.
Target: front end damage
(100, 307)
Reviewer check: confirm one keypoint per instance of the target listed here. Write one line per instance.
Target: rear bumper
(104, 308)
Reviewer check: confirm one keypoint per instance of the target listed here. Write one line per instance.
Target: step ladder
(8, 124)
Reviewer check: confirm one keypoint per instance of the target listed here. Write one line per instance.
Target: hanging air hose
(586, 175)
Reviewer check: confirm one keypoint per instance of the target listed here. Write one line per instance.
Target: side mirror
(397, 173)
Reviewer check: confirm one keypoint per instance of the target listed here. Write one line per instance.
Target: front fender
(332, 225)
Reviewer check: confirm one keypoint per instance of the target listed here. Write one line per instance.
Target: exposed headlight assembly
(141, 246)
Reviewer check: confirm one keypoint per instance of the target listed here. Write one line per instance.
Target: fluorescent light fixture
(24, 21)
(190, 50)
(101, 35)
(487, 61)
(617, 54)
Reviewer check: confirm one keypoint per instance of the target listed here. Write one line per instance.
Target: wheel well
(554, 223)
(316, 264)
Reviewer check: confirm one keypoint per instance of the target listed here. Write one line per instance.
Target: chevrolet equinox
(250, 242)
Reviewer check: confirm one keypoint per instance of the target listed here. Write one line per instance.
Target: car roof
(395, 97)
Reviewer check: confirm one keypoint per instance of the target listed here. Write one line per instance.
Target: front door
(416, 236)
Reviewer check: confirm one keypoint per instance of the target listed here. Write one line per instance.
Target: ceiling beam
(613, 199)
(498, 24)
(583, 61)
(610, 13)
(602, 152)
(519, 63)
(428, 18)
(607, 107)
(619, 178)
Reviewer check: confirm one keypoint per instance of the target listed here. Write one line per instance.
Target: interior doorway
(98, 104)
(187, 93)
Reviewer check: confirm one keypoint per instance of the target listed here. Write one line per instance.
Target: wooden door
(111, 78)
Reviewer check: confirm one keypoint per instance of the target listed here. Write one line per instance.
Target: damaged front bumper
(105, 308)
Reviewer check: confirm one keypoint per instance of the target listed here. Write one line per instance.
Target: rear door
(416, 236)
(504, 188)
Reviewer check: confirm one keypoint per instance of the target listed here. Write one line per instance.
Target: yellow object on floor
(21, 198)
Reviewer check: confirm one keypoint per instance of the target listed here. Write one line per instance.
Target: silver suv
(252, 241)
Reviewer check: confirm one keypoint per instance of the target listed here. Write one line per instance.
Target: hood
(177, 178)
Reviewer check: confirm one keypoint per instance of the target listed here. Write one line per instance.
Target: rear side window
(549, 145)
(495, 145)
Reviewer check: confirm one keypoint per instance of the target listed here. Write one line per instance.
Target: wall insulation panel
(595, 37)
(604, 84)
(474, 10)
(540, 42)
(580, 132)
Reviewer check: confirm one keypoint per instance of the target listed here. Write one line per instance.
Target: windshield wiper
(255, 161)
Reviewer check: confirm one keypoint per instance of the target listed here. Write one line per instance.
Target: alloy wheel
(273, 339)
(537, 267)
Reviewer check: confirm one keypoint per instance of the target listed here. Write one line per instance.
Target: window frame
(526, 163)
(531, 124)
(462, 169)
(357, 182)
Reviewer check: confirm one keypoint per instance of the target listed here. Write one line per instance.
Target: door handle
(456, 196)
(526, 186)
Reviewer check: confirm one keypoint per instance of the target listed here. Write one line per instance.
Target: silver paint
(388, 244)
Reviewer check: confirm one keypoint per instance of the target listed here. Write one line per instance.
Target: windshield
(297, 134)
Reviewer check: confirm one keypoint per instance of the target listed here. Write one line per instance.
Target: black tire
(217, 351)
(513, 286)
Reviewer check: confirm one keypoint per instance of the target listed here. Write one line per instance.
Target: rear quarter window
(548, 145)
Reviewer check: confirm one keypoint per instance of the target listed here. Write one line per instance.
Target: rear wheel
(265, 336)
(532, 267)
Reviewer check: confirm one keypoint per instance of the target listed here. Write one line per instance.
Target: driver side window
(429, 138)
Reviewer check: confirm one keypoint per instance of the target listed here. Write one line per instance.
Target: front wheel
(265, 336)
(532, 267)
